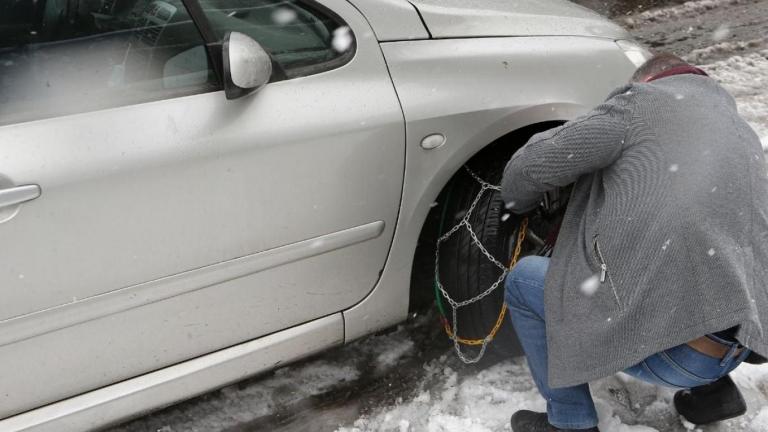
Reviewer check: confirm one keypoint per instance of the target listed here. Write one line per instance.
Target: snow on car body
(188, 241)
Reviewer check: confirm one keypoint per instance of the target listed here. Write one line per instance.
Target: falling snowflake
(679, 96)
(342, 39)
(590, 285)
(504, 217)
(721, 32)
(570, 155)
(714, 188)
(283, 16)
(673, 168)
(711, 252)
(666, 244)
(509, 205)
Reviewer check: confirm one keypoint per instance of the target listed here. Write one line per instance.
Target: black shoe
(529, 421)
(755, 358)
(710, 403)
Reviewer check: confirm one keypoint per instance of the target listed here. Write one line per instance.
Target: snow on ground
(746, 78)
(703, 31)
(324, 390)
(483, 402)
(241, 404)
(701, 55)
(687, 9)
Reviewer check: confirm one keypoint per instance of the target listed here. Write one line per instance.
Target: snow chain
(452, 329)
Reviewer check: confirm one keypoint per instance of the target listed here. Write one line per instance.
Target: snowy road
(409, 380)
(703, 31)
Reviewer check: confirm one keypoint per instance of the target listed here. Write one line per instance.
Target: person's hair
(657, 64)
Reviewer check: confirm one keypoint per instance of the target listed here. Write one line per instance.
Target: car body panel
(392, 20)
(122, 300)
(112, 403)
(475, 18)
(194, 224)
(474, 91)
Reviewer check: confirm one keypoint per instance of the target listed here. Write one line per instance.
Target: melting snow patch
(760, 421)
(746, 78)
(389, 357)
(480, 402)
(700, 55)
(688, 425)
(687, 9)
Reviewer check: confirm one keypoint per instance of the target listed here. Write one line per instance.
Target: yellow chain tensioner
(502, 314)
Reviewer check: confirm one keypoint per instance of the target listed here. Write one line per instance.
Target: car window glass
(302, 37)
(67, 56)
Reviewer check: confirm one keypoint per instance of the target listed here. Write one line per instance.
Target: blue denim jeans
(572, 407)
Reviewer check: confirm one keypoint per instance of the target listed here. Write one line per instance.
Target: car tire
(465, 271)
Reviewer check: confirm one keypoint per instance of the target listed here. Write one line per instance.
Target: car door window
(303, 37)
(62, 57)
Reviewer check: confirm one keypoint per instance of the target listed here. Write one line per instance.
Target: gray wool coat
(669, 209)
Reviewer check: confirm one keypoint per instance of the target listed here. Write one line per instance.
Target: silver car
(196, 191)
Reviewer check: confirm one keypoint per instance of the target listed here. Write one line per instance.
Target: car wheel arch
(422, 270)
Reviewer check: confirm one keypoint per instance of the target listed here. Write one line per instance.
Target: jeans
(572, 407)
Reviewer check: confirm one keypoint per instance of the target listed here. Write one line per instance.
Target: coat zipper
(604, 272)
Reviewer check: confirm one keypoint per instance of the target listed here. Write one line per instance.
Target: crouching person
(660, 269)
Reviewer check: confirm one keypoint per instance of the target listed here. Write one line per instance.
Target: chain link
(455, 305)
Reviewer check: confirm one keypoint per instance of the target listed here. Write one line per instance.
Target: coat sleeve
(557, 157)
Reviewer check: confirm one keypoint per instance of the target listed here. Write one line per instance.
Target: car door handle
(19, 194)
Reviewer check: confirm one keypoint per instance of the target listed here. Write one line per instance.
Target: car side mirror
(247, 66)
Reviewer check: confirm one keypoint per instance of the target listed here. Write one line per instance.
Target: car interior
(66, 56)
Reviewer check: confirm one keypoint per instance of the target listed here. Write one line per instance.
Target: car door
(145, 219)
